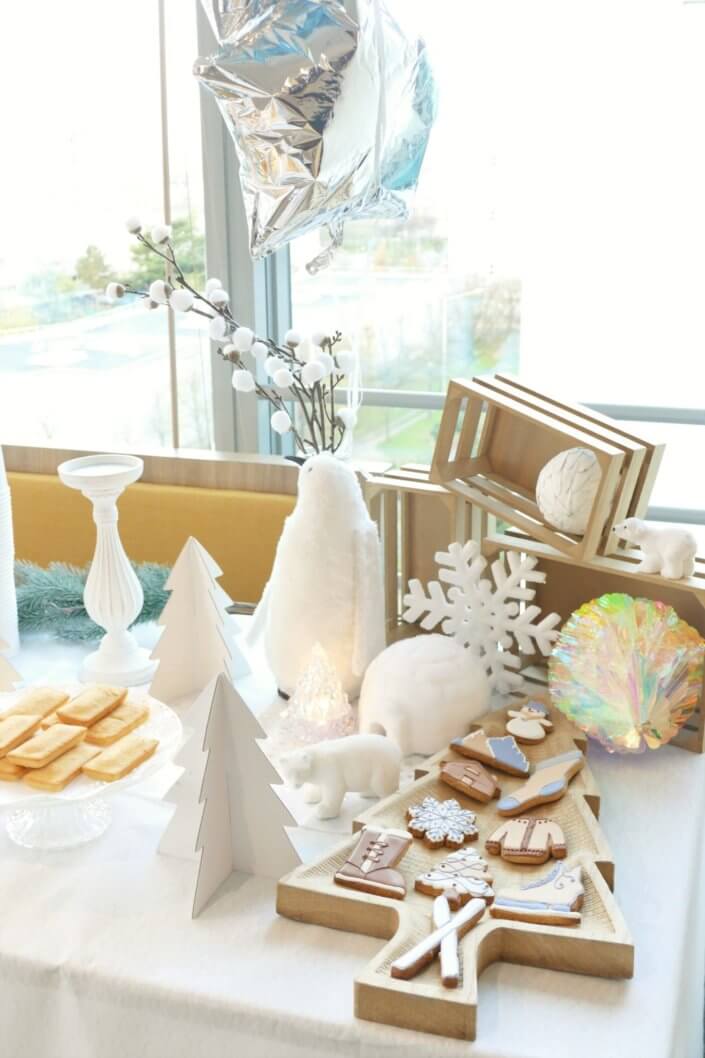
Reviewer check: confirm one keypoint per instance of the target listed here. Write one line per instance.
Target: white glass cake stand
(81, 811)
(113, 595)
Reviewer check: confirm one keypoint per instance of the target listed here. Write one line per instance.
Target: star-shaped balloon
(330, 114)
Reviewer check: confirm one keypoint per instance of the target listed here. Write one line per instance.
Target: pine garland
(51, 599)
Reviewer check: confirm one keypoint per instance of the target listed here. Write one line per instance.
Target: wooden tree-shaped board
(600, 946)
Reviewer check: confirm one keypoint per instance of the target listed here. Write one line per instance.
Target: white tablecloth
(99, 957)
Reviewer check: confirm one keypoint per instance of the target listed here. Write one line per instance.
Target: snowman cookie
(530, 723)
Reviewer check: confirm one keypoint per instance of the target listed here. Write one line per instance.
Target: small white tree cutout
(196, 643)
(8, 675)
(226, 808)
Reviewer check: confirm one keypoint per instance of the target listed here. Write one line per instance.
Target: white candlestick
(113, 595)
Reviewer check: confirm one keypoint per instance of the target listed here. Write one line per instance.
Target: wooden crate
(491, 449)
(569, 584)
(416, 519)
(643, 455)
(600, 946)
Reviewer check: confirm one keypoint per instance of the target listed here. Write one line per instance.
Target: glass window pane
(395, 435)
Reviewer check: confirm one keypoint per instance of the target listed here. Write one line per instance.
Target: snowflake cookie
(441, 823)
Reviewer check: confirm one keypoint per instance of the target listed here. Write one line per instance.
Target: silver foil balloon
(330, 114)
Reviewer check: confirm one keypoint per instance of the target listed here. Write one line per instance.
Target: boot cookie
(370, 866)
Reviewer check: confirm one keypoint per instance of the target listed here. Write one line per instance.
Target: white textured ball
(218, 328)
(181, 300)
(326, 362)
(159, 292)
(260, 350)
(347, 416)
(273, 364)
(283, 377)
(566, 489)
(422, 692)
(292, 338)
(160, 233)
(281, 423)
(243, 339)
(319, 337)
(133, 225)
(219, 297)
(312, 372)
(114, 290)
(346, 360)
(243, 381)
(213, 284)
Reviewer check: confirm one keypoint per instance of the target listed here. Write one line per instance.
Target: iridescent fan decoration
(628, 672)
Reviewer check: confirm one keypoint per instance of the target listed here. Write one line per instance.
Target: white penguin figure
(326, 584)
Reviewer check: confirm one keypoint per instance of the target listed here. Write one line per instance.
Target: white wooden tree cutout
(196, 643)
(8, 675)
(232, 818)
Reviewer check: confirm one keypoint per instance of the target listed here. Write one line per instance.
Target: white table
(99, 958)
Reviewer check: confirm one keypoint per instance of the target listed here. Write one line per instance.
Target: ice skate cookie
(92, 704)
(443, 941)
(14, 730)
(121, 758)
(39, 701)
(463, 875)
(530, 723)
(548, 783)
(55, 776)
(47, 745)
(441, 823)
(554, 900)
(120, 722)
(370, 867)
(501, 752)
(471, 778)
(527, 840)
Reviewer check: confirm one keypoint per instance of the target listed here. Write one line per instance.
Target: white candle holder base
(113, 595)
(59, 826)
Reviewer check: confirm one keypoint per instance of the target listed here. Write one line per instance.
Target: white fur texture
(364, 764)
(670, 552)
(422, 692)
(326, 585)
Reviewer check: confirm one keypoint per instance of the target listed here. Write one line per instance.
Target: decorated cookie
(442, 941)
(501, 752)
(441, 823)
(471, 778)
(554, 900)
(463, 875)
(527, 840)
(530, 723)
(548, 783)
(370, 867)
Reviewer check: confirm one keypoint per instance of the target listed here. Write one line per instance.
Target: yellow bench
(240, 529)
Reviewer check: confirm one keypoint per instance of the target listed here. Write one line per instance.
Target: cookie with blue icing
(548, 783)
(501, 752)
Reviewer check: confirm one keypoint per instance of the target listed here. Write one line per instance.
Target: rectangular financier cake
(117, 724)
(121, 758)
(39, 701)
(55, 776)
(14, 730)
(47, 745)
(92, 705)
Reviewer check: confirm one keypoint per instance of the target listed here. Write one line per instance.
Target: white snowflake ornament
(488, 616)
(442, 823)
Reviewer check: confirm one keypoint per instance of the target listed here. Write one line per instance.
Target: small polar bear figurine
(670, 552)
(364, 764)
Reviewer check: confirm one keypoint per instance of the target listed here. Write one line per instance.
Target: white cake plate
(81, 812)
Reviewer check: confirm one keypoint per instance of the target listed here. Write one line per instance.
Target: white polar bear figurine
(364, 764)
(422, 692)
(670, 552)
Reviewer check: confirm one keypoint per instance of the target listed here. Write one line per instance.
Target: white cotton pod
(243, 339)
(229, 351)
(213, 284)
(217, 328)
(160, 233)
(181, 300)
(114, 290)
(159, 292)
(346, 360)
(319, 337)
(292, 338)
(243, 381)
(312, 372)
(133, 225)
(273, 364)
(326, 362)
(283, 378)
(304, 351)
(347, 417)
(281, 422)
(219, 297)
(260, 350)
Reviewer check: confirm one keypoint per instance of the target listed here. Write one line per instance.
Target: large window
(84, 150)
